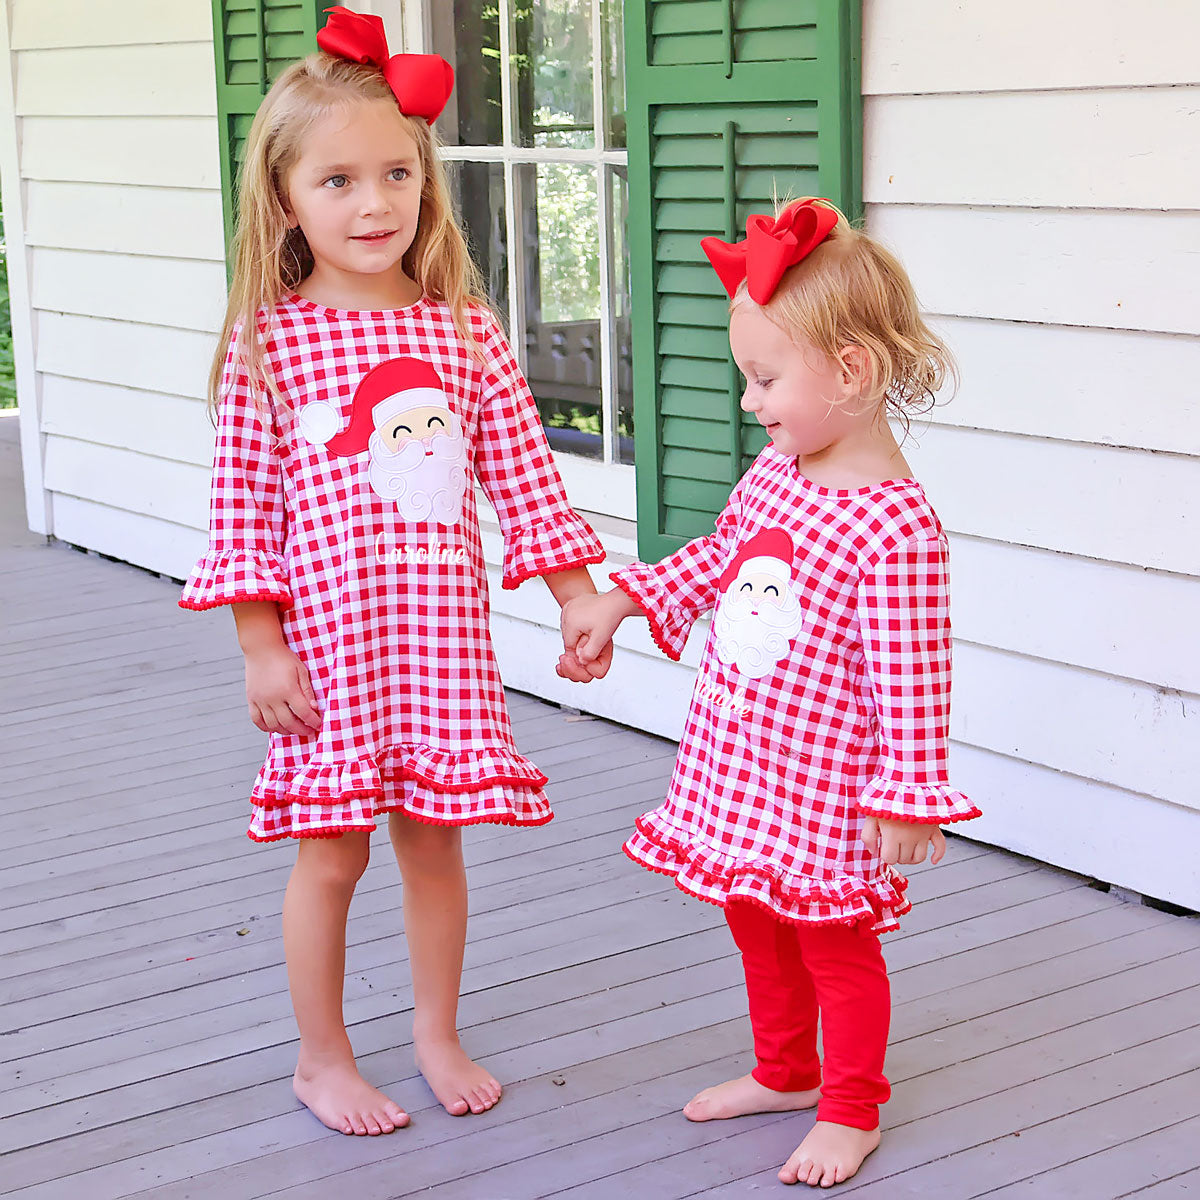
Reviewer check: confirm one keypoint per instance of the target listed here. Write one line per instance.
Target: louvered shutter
(254, 41)
(729, 102)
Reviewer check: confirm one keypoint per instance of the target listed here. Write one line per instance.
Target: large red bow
(771, 245)
(421, 82)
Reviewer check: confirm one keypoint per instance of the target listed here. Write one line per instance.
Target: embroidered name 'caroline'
(422, 555)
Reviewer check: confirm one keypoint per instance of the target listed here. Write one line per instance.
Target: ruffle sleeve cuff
(669, 624)
(546, 546)
(921, 804)
(231, 576)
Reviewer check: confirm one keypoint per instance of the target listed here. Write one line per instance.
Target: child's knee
(420, 843)
(335, 862)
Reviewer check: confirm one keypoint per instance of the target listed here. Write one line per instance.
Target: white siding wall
(119, 192)
(1037, 166)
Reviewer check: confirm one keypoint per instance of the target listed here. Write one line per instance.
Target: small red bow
(421, 82)
(771, 246)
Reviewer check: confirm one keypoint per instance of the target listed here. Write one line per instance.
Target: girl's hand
(903, 842)
(570, 667)
(588, 625)
(279, 692)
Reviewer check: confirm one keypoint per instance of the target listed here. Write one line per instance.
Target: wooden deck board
(1046, 1036)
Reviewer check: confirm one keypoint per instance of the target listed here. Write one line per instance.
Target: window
(534, 140)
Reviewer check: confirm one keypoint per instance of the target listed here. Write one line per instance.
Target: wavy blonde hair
(271, 259)
(853, 291)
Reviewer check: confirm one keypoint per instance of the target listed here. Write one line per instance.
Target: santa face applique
(758, 615)
(400, 413)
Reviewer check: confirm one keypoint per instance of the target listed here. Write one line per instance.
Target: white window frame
(599, 486)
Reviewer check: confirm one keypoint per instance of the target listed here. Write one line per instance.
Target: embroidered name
(719, 697)
(410, 555)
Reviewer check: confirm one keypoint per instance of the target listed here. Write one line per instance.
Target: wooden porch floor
(1046, 1036)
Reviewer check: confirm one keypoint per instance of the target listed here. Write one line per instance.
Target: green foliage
(8, 383)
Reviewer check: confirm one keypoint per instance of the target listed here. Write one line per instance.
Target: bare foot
(461, 1085)
(739, 1097)
(830, 1154)
(338, 1096)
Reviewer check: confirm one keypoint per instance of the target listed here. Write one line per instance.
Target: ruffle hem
(233, 576)
(920, 804)
(717, 878)
(493, 785)
(669, 627)
(547, 546)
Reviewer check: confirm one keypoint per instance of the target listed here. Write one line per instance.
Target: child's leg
(314, 940)
(851, 981)
(783, 1016)
(435, 920)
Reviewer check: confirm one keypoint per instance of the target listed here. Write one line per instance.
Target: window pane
(466, 33)
(620, 307)
(552, 49)
(478, 193)
(612, 12)
(560, 243)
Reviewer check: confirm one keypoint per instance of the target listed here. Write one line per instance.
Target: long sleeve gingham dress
(389, 615)
(777, 771)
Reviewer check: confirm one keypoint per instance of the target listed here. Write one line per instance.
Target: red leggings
(792, 973)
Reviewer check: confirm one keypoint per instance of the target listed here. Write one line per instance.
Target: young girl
(814, 753)
(361, 384)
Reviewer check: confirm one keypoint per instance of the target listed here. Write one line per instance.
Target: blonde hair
(271, 259)
(853, 291)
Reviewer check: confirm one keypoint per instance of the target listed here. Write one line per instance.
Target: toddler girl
(362, 386)
(814, 752)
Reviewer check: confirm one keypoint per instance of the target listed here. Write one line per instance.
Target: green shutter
(254, 40)
(729, 102)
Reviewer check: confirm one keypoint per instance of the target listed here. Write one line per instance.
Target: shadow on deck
(1046, 1037)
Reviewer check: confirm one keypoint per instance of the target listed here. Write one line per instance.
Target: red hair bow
(771, 245)
(421, 82)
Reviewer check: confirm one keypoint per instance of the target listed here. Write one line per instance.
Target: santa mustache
(768, 612)
(442, 447)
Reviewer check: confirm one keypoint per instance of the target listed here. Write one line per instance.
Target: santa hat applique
(393, 387)
(768, 552)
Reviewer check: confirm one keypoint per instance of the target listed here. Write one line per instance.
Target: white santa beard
(423, 486)
(754, 645)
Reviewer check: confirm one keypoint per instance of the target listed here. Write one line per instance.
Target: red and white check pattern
(397, 644)
(769, 806)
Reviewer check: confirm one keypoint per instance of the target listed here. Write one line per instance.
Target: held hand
(571, 667)
(903, 842)
(279, 692)
(588, 624)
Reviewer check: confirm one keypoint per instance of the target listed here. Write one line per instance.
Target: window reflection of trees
(559, 175)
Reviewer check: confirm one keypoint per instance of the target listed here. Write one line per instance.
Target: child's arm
(588, 625)
(244, 566)
(279, 692)
(904, 617)
(569, 588)
(673, 593)
(543, 535)
(248, 522)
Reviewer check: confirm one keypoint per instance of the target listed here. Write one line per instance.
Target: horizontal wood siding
(1041, 191)
(115, 107)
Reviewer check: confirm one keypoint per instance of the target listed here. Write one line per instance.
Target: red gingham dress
(395, 638)
(770, 791)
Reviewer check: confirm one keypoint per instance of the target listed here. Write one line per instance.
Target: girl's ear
(855, 365)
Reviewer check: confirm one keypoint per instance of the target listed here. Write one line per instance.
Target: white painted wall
(112, 163)
(1041, 188)
(1038, 187)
